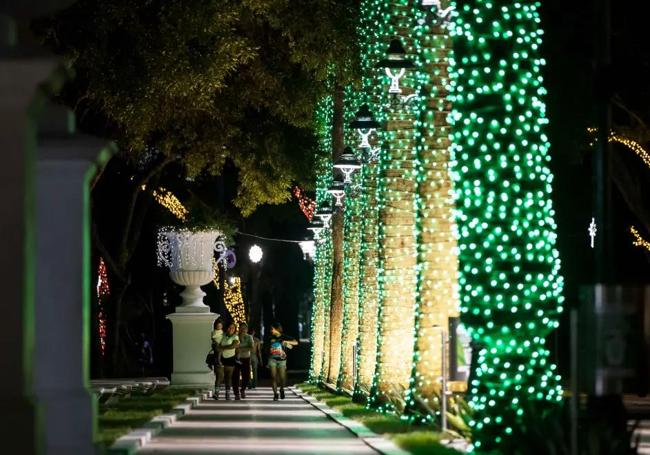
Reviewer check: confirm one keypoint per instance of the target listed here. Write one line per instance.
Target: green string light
(510, 283)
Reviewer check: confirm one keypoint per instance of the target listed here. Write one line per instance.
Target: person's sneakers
(275, 397)
(282, 393)
(227, 395)
(237, 397)
(215, 395)
(243, 393)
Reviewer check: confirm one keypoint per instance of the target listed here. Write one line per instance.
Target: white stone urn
(190, 258)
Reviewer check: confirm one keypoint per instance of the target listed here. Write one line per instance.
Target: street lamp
(395, 64)
(308, 248)
(365, 124)
(347, 164)
(324, 214)
(337, 190)
(255, 254)
(316, 226)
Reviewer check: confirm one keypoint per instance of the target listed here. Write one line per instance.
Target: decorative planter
(190, 259)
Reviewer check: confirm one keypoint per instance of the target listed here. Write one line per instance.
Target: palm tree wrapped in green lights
(510, 283)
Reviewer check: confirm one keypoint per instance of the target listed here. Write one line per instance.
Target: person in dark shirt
(278, 345)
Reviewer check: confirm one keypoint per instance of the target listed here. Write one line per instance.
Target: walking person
(278, 344)
(256, 357)
(217, 366)
(228, 347)
(242, 373)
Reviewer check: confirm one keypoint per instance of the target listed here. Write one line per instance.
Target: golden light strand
(234, 300)
(639, 241)
(631, 144)
(167, 199)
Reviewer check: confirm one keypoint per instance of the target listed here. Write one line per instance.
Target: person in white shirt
(228, 347)
(217, 335)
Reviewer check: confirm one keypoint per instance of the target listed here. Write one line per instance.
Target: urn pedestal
(189, 256)
(191, 339)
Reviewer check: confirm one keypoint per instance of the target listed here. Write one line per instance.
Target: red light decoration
(103, 291)
(307, 205)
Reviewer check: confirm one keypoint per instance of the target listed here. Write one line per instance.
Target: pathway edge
(370, 438)
(131, 442)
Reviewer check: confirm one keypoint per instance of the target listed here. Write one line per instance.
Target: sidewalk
(256, 425)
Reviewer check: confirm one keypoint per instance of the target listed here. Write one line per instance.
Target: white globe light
(255, 254)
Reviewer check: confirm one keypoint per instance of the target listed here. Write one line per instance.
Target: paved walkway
(256, 425)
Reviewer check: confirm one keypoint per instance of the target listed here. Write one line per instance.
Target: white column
(64, 167)
(191, 338)
(19, 102)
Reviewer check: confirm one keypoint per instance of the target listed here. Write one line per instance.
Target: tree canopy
(208, 81)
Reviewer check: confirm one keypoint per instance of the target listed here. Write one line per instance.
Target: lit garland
(234, 301)
(168, 200)
(307, 205)
(372, 50)
(638, 240)
(437, 264)
(103, 292)
(510, 283)
(351, 248)
(631, 144)
(397, 242)
(319, 365)
(216, 271)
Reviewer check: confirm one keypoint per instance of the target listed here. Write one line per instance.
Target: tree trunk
(367, 338)
(397, 242)
(336, 306)
(351, 241)
(118, 262)
(437, 299)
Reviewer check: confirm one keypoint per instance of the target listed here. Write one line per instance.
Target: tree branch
(108, 258)
(125, 252)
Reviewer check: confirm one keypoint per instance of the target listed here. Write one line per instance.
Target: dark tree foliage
(192, 90)
(208, 81)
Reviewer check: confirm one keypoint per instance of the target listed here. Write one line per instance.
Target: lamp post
(395, 64)
(443, 378)
(365, 124)
(348, 164)
(255, 254)
(316, 227)
(337, 190)
(324, 214)
(308, 248)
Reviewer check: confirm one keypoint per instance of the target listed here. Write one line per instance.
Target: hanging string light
(307, 205)
(168, 200)
(234, 300)
(638, 240)
(103, 292)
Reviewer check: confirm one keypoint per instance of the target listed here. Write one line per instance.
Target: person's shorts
(228, 362)
(277, 363)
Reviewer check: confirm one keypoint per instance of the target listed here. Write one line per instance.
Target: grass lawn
(416, 439)
(117, 419)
